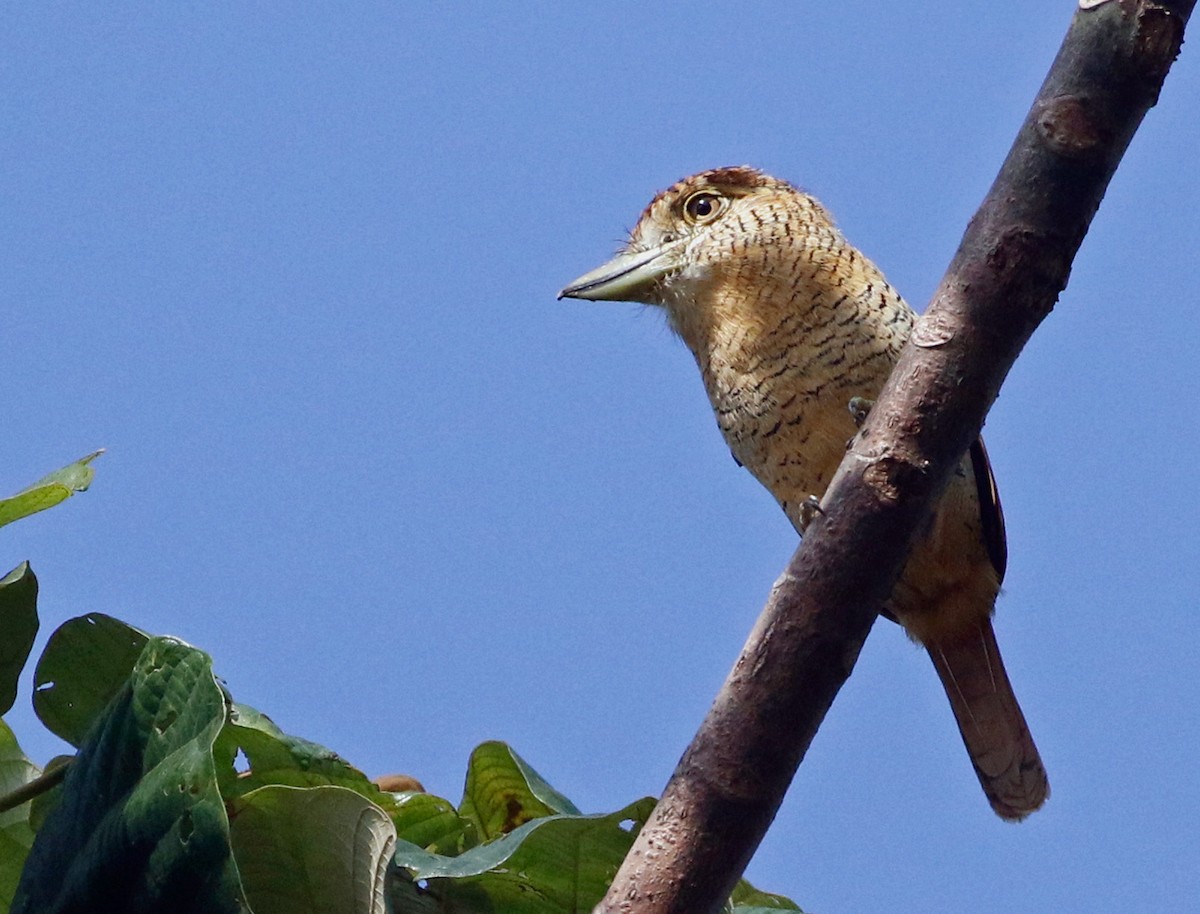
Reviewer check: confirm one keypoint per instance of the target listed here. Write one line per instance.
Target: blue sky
(295, 268)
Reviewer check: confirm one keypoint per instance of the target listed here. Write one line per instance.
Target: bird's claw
(809, 509)
(860, 408)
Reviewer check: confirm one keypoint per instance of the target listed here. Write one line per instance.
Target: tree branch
(1005, 278)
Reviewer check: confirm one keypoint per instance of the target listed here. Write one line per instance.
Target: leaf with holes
(503, 792)
(86, 662)
(275, 758)
(141, 826)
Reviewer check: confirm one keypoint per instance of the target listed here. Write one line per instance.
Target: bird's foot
(809, 509)
(860, 408)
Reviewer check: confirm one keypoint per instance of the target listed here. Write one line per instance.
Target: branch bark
(1012, 263)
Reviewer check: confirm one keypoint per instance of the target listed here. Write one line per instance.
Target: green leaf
(312, 850)
(551, 862)
(85, 664)
(50, 490)
(141, 827)
(431, 823)
(503, 792)
(279, 759)
(546, 866)
(746, 899)
(16, 837)
(13, 852)
(18, 628)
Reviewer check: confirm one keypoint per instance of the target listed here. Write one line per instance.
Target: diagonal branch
(1005, 278)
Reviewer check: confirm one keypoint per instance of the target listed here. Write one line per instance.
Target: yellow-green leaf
(50, 490)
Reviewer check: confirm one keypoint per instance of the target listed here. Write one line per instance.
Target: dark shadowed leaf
(140, 826)
(43, 803)
(85, 664)
(18, 628)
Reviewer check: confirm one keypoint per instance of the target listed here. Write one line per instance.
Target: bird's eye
(703, 206)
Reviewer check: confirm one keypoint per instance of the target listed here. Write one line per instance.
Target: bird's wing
(990, 513)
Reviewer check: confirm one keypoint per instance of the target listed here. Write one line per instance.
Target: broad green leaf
(746, 899)
(546, 866)
(276, 759)
(13, 852)
(141, 827)
(18, 628)
(311, 850)
(280, 759)
(16, 836)
(84, 665)
(503, 792)
(50, 490)
(431, 823)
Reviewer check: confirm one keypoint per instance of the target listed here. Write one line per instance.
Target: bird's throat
(783, 352)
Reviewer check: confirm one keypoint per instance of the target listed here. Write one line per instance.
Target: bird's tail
(990, 721)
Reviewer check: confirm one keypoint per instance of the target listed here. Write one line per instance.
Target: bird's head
(720, 230)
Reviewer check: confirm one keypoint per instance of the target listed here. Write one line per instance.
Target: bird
(789, 323)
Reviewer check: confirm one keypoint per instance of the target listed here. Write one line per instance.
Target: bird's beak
(627, 277)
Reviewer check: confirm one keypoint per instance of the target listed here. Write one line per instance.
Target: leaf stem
(43, 783)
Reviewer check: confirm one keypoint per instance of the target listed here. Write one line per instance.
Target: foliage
(18, 589)
(18, 628)
(49, 490)
(16, 835)
(180, 799)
